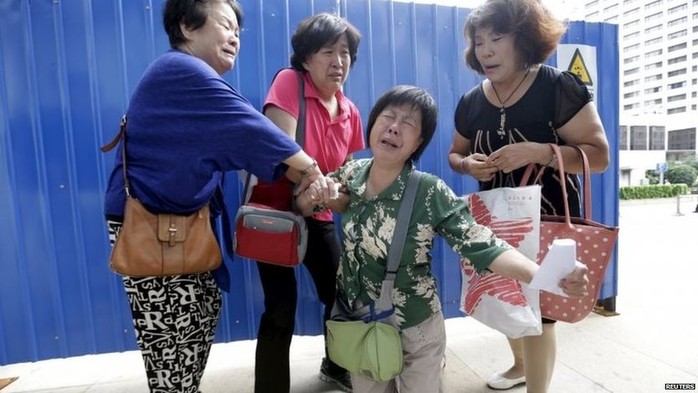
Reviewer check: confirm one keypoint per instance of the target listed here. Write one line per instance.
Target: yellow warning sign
(578, 68)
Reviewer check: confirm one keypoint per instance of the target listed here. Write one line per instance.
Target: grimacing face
(397, 133)
(217, 42)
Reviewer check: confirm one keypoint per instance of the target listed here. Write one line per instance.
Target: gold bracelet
(552, 159)
(306, 171)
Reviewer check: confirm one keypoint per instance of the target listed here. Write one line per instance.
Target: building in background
(658, 42)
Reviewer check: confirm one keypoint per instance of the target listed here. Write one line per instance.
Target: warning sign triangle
(579, 68)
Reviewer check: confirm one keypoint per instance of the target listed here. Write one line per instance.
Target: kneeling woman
(400, 126)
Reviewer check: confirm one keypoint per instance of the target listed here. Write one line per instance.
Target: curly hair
(536, 30)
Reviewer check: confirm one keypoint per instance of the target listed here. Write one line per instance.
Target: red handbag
(266, 230)
(595, 242)
(269, 235)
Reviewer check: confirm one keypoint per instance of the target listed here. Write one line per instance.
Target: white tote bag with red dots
(595, 244)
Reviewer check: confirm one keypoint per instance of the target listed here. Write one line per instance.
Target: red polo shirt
(328, 141)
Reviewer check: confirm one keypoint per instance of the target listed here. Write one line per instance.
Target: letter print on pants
(175, 321)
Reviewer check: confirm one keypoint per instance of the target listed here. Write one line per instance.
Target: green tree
(693, 164)
(682, 173)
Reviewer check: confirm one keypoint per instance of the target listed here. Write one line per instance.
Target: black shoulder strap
(300, 123)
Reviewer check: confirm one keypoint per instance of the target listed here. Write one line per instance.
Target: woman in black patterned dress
(509, 120)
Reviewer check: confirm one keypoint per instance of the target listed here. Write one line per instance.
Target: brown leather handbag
(161, 244)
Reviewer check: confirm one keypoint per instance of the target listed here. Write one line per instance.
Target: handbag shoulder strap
(586, 176)
(586, 179)
(385, 302)
(401, 225)
(120, 137)
(300, 124)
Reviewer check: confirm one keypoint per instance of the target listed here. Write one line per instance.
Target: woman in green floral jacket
(400, 126)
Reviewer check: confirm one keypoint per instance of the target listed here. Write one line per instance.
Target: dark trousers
(272, 370)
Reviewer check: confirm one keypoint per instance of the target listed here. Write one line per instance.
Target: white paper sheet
(557, 264)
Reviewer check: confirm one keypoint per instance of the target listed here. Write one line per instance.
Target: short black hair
(193, 13)
(315, 32)
(417, 98)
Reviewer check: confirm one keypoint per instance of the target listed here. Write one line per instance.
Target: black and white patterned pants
(175, 320)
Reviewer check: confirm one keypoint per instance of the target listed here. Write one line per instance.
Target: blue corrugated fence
(67, 69)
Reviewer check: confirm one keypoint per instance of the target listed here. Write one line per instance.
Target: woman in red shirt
(324, 50)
